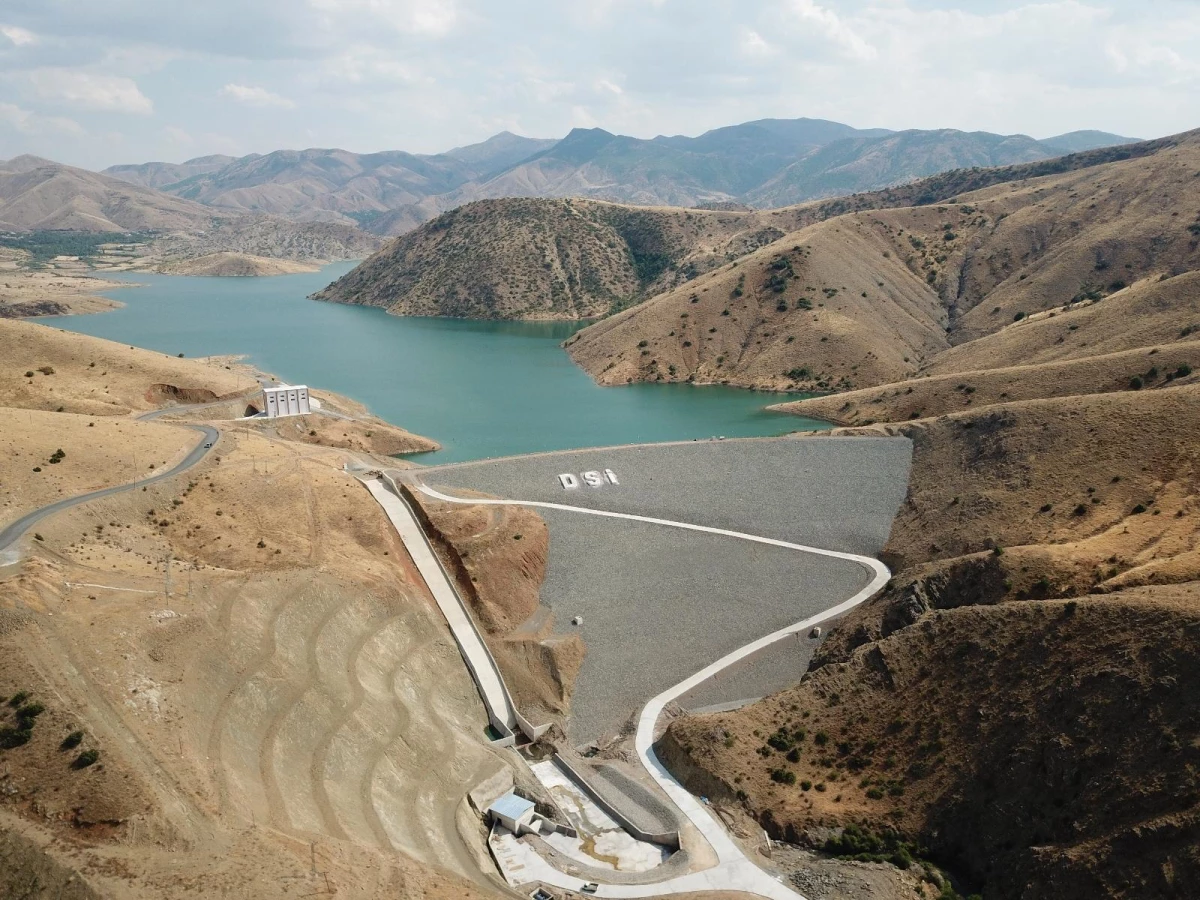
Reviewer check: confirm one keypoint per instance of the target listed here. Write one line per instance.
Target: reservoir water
(480, 389)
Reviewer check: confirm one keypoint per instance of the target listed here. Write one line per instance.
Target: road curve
(12, 533)
(734, 871)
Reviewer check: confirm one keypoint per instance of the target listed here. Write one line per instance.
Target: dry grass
(249, 648)
(1154, 367)
(98, 377)
(99, 452)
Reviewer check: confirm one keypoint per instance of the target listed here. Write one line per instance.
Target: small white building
(513, 812)
(286, 400)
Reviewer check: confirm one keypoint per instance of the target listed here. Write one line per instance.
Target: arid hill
(229, 682)
(531, 259)
(273, 237)
(990, 262)
(37, 194)
(1013, 705)
(235, 265)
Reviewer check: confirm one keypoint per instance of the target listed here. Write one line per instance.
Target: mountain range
(765, 163)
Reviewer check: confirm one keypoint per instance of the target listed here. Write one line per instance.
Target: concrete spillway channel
(502, 712)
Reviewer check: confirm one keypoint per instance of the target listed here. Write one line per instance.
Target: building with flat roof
(513, 812)
(286, 400)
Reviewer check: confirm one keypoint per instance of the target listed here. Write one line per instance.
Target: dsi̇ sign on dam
(591, 479)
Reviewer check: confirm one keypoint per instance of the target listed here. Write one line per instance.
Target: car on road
(207, 444)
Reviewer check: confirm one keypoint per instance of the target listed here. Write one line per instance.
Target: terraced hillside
(274, 702)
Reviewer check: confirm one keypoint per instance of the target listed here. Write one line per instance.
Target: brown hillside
(49, 195)
(271, 693)
(1016, 700)
(98, 377)
(829, 306)
(996, 737)
(1144, 368)
(1153, 311)
(498, 557)
(993, 261)
(235, 265)
(531, 259)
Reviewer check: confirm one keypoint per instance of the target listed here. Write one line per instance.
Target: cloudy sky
(95, 83)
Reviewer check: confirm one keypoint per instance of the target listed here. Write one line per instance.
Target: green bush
(1135, 383)
(85, 759)
(11, 737)
(71, 741)
(783, 776)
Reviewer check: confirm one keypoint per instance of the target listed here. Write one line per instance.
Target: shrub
(783, 776)
(30, 373)
(18, 698)
(821, 738)
(1138, 510)
(71, 741)
(85, 759)
(1046, 507)
(1018, 317)
(1135, 383)
(1183, 371)
(46, 370)
(11, 737)
(1080, 509)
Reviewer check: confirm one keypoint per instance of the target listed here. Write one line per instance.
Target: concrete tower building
(286, 400)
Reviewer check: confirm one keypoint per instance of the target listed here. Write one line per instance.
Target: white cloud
(255, 96)
(434, 18)
(18, 36)
(89, 90)
(831, 26)
(27, 122)
(753, 45)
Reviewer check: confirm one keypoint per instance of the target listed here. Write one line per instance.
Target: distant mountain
(499, 152)
(40, 195)
(764, 163)
(333, 185)
(37, 194)
(858, 164)
(1078, 141)
(160, 174)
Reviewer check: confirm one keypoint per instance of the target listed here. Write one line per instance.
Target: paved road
(12, 533)
(734, 871)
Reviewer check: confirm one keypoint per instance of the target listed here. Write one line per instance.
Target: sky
(97, 83)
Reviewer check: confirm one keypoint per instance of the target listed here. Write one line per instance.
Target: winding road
(12, 533)
(734, 870)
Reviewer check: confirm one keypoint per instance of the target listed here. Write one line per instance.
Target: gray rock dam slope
(659, 603)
